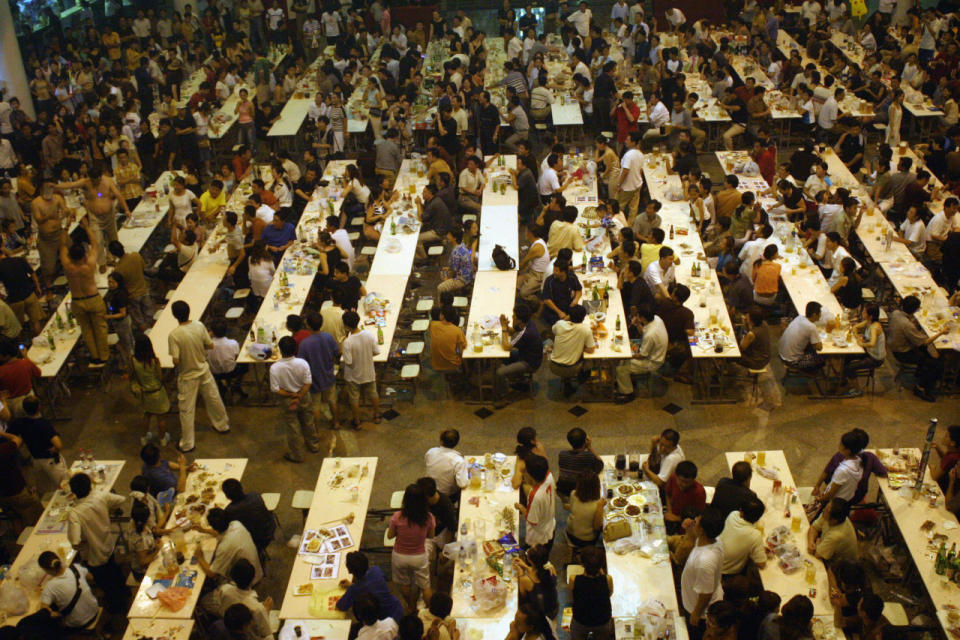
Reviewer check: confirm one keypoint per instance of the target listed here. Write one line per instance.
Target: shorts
(29, 306)
(410, 569)
(356, 390)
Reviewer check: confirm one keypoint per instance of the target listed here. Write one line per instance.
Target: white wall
(11, 64)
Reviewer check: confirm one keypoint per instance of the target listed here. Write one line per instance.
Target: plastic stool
(357, 221)
(468, 217)
(396, 500)
(895, 614)
(414, 348)
(388, 542)
(233, 313)
(420, 325)
(435, 250)
(302, 499)
(326, 304)
(112, 339)
(709, 491)
(460, 302)
(368, 250)
(61, 281)
(24, 536)
(274, 620)
(240, 294)
(156, 314)
(271, 501)
(424, 305)
(354, 236)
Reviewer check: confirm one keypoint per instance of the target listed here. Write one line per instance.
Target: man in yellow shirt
(212, 202)
(650, 251)
(436, 165)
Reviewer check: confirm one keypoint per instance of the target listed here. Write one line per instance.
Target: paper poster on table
(325, 540)
(858, 8)
(328, 567)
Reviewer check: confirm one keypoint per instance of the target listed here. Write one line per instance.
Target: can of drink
(812, 592)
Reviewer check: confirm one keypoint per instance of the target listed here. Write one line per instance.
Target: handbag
(616, 530)
(502, 259)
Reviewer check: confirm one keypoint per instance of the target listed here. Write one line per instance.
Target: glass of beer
(810, 573)
(795, 524)
(761, 458)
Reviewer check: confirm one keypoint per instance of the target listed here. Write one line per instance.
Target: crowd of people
(112, 114)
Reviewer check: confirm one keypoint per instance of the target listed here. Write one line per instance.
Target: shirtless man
(48, 210)
(80, 266)
(100, 198)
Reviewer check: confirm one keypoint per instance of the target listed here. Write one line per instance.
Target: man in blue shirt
(369, 580)
(278, 235)
(160, 473)
(461, 263)
(524, 344)
(320, 350)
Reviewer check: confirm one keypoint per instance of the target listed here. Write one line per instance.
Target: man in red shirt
(241, 162)
(765, 155)
(682, 491)
(627, 111)
(17, 372)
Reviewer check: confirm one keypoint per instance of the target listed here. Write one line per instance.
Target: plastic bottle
(379, 335)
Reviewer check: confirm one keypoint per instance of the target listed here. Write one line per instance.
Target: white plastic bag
(490, 594)
(628, 544)
(13, 599)
(30, 574)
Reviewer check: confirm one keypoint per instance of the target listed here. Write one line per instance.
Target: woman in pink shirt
(245, 111)
(410, 564)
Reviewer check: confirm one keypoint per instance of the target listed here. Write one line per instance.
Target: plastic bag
(13, 599)
(750, 168)
(778, 537)
(174, 598)
(627, 544)
(30, 574)
(652, 616)
(789, 558)
(490, 594)
(451, 550)
(323, 604)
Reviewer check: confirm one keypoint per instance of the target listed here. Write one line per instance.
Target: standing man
(321, 350)
(631, 177)
(359, 348)
(80, 266)
(130, 266)
(49, 209)
(700, 582)
(188, 344)
(101, 197)
(90, 532)
(290, 379)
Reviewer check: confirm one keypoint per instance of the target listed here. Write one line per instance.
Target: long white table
(637, 578)
(50, 532)
(201, 280)
(488, 510)
(342, 493)
(209, 475)
(910, 512)
(776, 515)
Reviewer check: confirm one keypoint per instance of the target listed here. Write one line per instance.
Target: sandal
(376, 419)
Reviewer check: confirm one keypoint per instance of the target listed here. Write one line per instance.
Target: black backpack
(502, 259)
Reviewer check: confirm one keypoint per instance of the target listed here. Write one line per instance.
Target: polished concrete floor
(807, 430)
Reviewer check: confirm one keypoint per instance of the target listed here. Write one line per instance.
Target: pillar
(12, 71)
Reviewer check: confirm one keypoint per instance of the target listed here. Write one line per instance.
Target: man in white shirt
(540, 510)
(366, 610)
(233, 542)
(291, 379)
(631, 177)
(572, 339)
(580, 19)
(648, 357)
(816, 181)
(700, 581)
(913, 233)
(341, 238)
(514, 44)
(666, 449)
(60, 590)
(742, 540)
(941, 224)
(660, 274)
(549, 182)
(446, 465)
(837, 253)
(91, 534)
(222, 359)
(800, 341)
(753, 249)
(331, 26)
(275, 24)
(240, 591)
(829, 112)
(141, 27)
(359, 349)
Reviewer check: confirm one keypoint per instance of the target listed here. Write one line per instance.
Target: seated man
(910, 345)
(447, 343)
(579, 458)
(250, 510)
(160, 473)
(572, 339)
(462, 265)
(800, 341)
(743, 541)
(561, 292)
(564, 233)
(367, 581)
(648, 357)
(524, 343)
(832, 536)
(376, 624)
(734, 492)
(240, 591)
(233, 542)
(682, 491)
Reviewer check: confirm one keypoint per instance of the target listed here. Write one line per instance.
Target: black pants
(109, 577)
(929, 369)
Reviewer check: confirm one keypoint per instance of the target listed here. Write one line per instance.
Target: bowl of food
(633, 510)
(619, 503)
